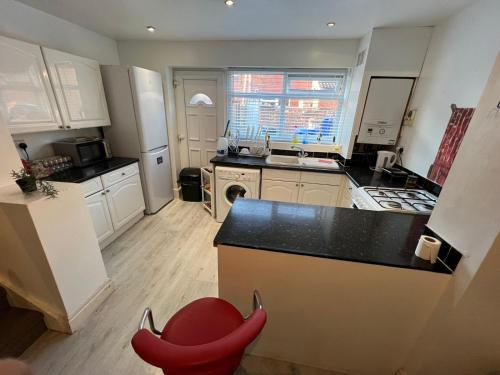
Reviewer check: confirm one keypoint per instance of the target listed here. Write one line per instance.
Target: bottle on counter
(222, 146)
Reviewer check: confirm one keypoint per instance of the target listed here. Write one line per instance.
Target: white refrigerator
(139, 128)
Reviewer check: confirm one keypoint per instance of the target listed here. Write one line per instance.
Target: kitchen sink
(306, 162)
(282, 160)
(319, 163)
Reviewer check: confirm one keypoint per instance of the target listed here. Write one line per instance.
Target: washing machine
(232, 183)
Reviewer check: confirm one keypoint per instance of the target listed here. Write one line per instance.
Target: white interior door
(200, 108)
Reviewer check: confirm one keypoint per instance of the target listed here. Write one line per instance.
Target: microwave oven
(83, 150)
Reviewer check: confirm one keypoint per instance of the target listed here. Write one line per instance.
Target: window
(201, 99)
(287, 104)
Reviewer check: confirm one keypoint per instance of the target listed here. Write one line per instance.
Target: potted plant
(28, 183)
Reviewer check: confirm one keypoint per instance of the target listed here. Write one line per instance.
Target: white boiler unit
(385, 107)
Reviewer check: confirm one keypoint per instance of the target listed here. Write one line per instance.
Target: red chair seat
(202, 321)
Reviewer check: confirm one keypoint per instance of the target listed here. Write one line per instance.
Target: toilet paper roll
(428, 248)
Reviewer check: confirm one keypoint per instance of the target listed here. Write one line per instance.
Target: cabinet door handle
(301, 185)
(296, 184)
(61, 127)
(103, 192)
(123, 173)
(107, 190)
(68, 127)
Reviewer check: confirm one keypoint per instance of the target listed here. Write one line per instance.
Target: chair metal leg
(148, 314)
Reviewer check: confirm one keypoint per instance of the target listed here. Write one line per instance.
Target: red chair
(208, 336)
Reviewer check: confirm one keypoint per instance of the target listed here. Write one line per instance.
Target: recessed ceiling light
(330, 24)
(151, 29)
(229, 3)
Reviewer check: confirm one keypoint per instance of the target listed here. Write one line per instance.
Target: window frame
(287, 93)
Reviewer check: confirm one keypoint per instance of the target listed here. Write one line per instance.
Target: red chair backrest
(211, 358)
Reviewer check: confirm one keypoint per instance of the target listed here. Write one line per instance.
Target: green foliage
(28, 183)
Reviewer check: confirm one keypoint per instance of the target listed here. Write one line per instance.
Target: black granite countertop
(366, 176)
(382, 238)
(77, 174)
(260, 162)
(360, 175)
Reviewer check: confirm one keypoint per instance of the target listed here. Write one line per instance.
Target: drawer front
(280, 175)
(121, 174)
(321, 178)
(91, 186)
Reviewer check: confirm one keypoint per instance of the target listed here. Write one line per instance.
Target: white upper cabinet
(78, 88)
(27, 102)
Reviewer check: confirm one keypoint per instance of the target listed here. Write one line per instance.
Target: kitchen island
(342, 287)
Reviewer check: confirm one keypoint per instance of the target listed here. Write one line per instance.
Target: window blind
(306, 105)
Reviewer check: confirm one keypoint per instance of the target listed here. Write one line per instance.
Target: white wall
(22, 22)
(8, 155)
(462, 51)
(463, 335)
(398, 50)
(51, 259)
(391, 52)
(32, 25)
(222, 54)
(346, 129)
(163, 56)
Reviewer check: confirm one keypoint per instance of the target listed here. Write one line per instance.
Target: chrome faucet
(302, 153)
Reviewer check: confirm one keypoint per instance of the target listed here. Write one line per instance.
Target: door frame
(180, 106)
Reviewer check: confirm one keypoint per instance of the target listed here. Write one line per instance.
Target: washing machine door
(235, 190)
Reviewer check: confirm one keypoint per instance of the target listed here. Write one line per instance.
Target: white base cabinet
(281, 191)
(323, 195)
(125, 200)
(99, 213)
(300, 187)
(114, 206)
(345, 195)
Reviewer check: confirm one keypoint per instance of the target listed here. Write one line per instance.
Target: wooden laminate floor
(164, 261)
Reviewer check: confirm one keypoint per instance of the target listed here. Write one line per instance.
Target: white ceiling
(247, 19)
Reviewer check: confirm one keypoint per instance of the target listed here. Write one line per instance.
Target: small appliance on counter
(385, 159)
(84, 151)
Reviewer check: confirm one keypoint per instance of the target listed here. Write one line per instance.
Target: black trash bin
(191, 184)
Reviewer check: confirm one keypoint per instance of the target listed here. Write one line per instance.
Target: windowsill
(310, 147)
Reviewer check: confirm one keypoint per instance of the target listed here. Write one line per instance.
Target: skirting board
(177, 193)
(77, 321)
(17, 297)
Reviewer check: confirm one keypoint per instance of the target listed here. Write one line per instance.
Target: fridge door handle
(181, 137)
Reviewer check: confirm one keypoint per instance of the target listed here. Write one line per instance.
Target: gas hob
(393, 199)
